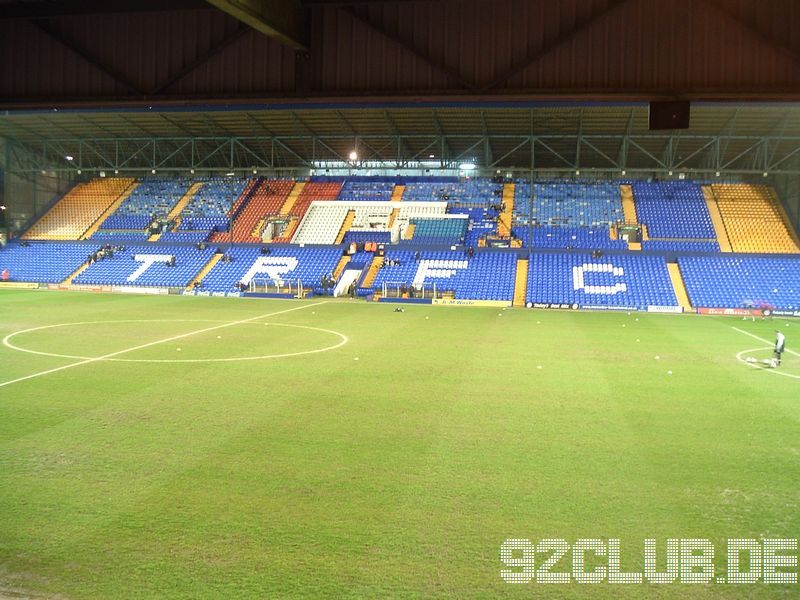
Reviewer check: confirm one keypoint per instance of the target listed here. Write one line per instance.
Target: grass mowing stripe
(149, 344)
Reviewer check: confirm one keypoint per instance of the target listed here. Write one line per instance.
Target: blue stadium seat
(368, 190)
(208, 209)
(589, 204)
(590, 238)
(43, 262)
(116, 236)
(486, 276)
(473, 191)
(673, 209)
(438, 231)
(184, 236)
(124, 269)
(625, 280)
(359, 237)
(681, 245)
(737, 281)
(289, 263)
(152, 197)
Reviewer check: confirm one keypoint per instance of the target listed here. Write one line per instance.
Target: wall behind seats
(28, 195)
(788, 188)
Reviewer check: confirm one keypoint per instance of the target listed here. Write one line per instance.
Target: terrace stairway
(341, 265)
(292, 198)
(75, 273)
(110, 210)
(505, 218)
(348, 221)
(176, 210)
(628, 204)
(393, 217)
(716, 219)
(204, 271)
(369, 279)
(521, 282)
(677, 284)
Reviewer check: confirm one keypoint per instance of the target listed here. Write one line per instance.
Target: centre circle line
(758, 366)
(147, 345)
(343, 339)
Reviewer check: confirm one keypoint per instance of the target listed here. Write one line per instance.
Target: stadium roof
(750, 137)
(386, 119)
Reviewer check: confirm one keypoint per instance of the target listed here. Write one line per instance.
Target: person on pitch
(780, 344)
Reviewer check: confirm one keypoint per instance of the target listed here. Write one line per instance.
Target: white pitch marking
(142, 346)
(8, 338)
(344, 339)
(760, 339)
(758, 366)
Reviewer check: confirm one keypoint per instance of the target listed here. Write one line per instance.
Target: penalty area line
(760, 339)
(155, 343)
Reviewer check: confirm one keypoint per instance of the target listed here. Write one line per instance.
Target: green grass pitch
(394, 464)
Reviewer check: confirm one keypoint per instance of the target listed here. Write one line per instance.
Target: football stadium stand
(681, 245)
(81, 208)
(449, 230)
(307, 265)
(696, 225)
(618, 281)
(322, 223)
(151, 198)
(119, 235)
(559, 203)
(673, 209)
(311, 191)
(754, 219)
(742, 281)
(184, 236)
(367, 235)
(372, 191)
(43, 262)
(590, 238)
(265, 200)
(147, 266)
(477, 191)
(209, 208)
(485, 276)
